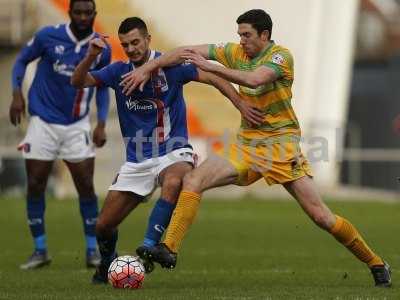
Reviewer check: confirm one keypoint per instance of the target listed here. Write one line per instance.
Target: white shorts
(142, 178)
(45, 141)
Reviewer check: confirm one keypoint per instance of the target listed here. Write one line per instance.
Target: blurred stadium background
(346, 93)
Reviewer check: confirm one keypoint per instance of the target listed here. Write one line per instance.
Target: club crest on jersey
(59, 49)
(220, 45)
(278, 59)
(144, 105)
(160, 81)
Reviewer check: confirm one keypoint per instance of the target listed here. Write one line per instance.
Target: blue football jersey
(153, 122)
(51, 96)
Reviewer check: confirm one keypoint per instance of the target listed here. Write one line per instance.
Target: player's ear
(265, 35)
(149, 38)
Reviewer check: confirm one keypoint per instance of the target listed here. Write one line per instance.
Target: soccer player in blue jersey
(59, 124)
(153, 125)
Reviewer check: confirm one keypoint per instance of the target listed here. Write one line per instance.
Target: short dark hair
(258, 18)
(72, 2)
(132, 23)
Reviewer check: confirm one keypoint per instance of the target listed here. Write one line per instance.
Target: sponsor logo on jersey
(63, 69)
(59, 49)
(144, 105)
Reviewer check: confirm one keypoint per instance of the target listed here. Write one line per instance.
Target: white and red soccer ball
(126, 272)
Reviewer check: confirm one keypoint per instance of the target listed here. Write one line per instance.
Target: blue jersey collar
(73, 38)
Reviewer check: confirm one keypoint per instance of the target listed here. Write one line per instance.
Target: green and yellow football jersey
(273, 99)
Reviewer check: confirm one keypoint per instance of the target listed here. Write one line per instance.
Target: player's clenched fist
(97, 45)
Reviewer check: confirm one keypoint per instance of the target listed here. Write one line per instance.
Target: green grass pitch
(245, 249)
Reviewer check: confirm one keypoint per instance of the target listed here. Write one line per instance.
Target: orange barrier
(195, 125)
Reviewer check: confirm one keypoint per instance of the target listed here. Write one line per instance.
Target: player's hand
(198, 60)
(99, 135)
(134, 79)
(251, 114)
(97, 45)
(17, 108)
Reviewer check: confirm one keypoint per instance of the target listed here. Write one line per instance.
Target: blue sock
(158, 222)
(35, 211)
(89, 212)
(91, 244)
(41, 244)
(107, 248)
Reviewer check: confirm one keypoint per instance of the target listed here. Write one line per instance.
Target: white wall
(330, 77)
(320, 34)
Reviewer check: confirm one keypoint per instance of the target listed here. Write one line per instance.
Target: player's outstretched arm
(250, 113)
(81, 77)
(252, 79)
(138, 77)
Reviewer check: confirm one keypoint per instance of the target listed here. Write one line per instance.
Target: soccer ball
(126, 272)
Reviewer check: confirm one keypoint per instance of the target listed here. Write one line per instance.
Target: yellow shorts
(277, 162)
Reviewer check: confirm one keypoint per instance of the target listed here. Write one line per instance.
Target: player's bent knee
(172, 183)
(191, 183)
(171, 187)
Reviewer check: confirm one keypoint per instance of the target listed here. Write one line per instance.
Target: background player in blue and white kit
(153, 125)
(59, 124)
